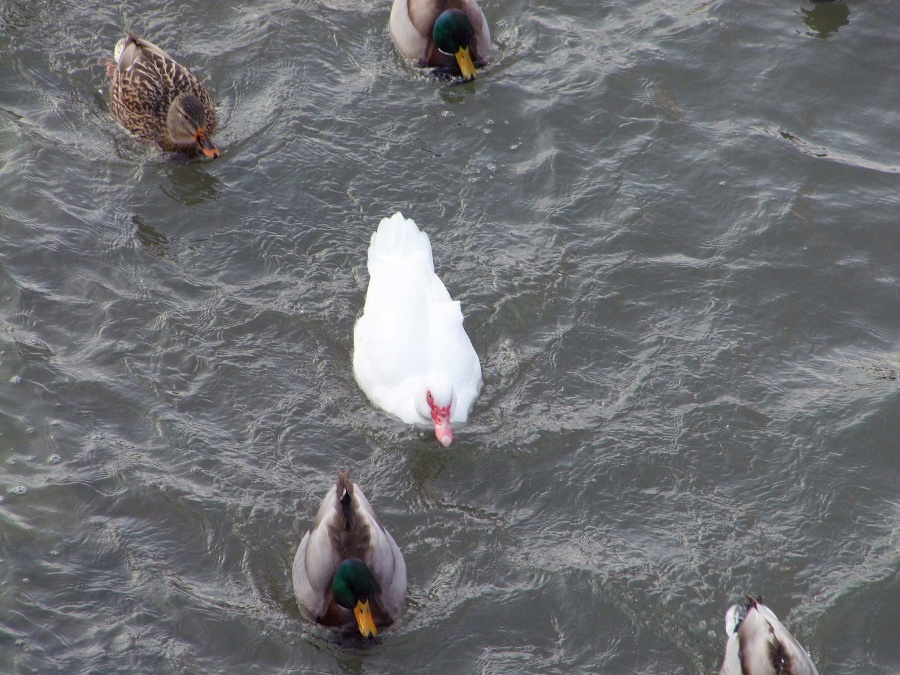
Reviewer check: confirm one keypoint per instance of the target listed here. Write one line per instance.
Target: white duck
(348, 567)
(411, 354)
(759, 644)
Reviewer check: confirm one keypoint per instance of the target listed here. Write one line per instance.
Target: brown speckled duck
(159, 100)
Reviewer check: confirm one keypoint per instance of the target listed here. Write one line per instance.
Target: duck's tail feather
(397, 237)
(344, 489)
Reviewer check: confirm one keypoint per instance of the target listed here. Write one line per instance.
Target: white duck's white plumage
(759, 644)
(410, 341)
(346, 527)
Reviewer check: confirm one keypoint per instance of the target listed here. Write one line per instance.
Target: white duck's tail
(397, 237)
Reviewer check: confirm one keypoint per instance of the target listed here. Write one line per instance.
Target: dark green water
(673, 228)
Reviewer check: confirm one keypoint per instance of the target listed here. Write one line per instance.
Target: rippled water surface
(673, 227)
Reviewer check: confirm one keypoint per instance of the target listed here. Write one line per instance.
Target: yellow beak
(465, 63)
(364, 619)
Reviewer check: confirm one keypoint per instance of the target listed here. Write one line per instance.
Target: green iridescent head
(452, 34)
(353, 587)
(452, 31)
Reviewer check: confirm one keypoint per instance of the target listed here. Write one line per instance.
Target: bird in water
(159, 100)
(759, 644)
(449, 35)
(411, 354)
(348, 569)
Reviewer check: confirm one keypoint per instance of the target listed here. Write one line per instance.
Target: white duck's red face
(440, 417)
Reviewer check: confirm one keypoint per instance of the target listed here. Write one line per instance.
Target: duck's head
(435, 403)
(188, 126)
(353, 587)
(452, 34)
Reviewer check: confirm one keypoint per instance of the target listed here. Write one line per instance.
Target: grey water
(674, 231)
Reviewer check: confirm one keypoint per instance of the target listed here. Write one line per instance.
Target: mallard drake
(411, 354)
(759, 644)
(446, 34)
(348, 567)
(159, 100)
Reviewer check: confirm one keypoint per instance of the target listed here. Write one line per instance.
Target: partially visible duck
(759, 644)
(159, 100)
(411, 354)
(447, 34)
(348, 569)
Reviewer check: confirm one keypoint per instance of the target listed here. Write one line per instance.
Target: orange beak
(364, 619)
(206, 145)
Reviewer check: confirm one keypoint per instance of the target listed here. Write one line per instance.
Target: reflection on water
(34, 351)
(826, 17)
(15, 14)
(153, 241)
(189, 183)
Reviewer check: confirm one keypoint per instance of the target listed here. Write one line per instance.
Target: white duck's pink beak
(440, 417)
(443, 431)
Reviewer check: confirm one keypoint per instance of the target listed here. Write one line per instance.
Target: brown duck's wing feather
(174, 78)
(180, 80)
(147, 47)
(141, 89)
(139, 102)
(149, 85)
(183, 81)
